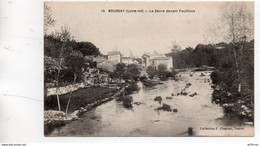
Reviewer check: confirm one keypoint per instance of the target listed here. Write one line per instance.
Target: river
(198, 112)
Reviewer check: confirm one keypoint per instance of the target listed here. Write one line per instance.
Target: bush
(127, 101)
(131, 88)
(143, 78)
(162, 71)
(151, 72)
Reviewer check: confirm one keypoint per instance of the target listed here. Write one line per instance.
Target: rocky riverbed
(185, 108)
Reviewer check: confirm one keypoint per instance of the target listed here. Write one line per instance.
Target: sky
(137, 33)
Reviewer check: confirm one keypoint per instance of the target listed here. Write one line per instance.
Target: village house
(156, 59)
(114, 56)
(129, 60)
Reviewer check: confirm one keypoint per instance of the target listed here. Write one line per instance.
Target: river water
(198, 112)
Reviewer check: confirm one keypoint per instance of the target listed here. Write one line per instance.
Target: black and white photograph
(149, 69)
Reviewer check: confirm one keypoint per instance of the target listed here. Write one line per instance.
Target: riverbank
(82, 101)
(236, 105)
(79, 98)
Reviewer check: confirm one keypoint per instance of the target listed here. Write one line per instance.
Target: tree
(50, 68)
(151, 72)
(106, 65)
(64, 37)
(87, 48)
(119, 72)
(75, 62)
(175, 48)
(48, 20)
(132, 72)
(162, 70)
(180, 58)
(237, 26)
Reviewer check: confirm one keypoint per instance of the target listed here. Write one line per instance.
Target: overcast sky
(136, 32)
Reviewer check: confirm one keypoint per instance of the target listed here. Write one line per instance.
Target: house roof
(114, 53)
(152, 56)
(127, 57)
(160, 58)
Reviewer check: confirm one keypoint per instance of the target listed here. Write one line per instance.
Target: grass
(80, 98)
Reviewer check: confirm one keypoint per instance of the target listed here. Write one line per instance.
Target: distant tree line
(208, 55)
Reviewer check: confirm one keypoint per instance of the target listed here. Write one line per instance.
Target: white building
(156, 59)
(127, 60)
(114, 56)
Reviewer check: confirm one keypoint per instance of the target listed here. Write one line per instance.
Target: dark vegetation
(132, 87)
(72, 54)
(81, 98)
(202, 55)
(129, 73)
(162, 73)
(127, 101)
(234, 81)
(232, 76)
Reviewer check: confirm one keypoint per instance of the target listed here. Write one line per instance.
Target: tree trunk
(238, 71)
(235, 54)
(67, 108)
(58, 100)
(58, 85)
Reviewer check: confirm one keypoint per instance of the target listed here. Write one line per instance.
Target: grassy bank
(80, 98)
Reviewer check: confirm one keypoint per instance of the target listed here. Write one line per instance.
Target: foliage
(127, 101)
(132, 72)
(87, 48)
(61, 48)
(151, 72)
(119, 72)
(81, 97)
(48, 20)
(162, 71)
(183, 58)
(75, 63)
(51, 67)
(128, 73)
(131, 88)
(52, 44)
(226, 78)
(226, 73)
(107, 66)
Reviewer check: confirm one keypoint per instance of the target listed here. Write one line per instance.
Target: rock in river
(137, 103)
(168, 97)
(194, 94)
(184, 93)
(165, 107)
(158, 98)
(202, 74)
(175, 110)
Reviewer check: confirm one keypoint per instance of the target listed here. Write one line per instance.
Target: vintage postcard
(168, 69)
